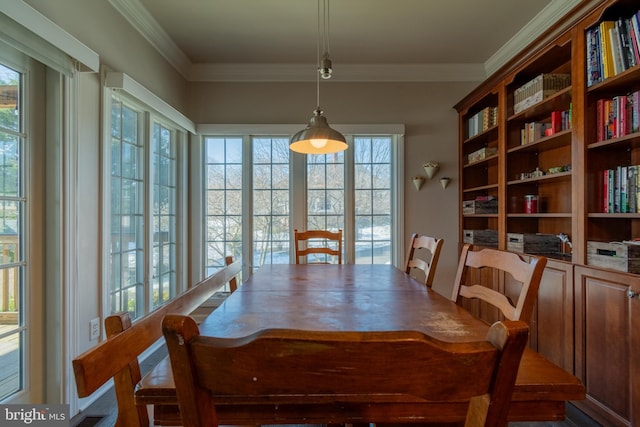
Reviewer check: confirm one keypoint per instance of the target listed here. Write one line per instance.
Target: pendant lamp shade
(318, 137)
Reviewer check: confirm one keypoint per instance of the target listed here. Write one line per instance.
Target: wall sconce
(418, 180)
(430, 168)
(444, 181)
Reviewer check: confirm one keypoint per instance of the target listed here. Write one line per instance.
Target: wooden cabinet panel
(553, 325)
(607, 344)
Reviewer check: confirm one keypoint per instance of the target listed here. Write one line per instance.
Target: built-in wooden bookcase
(541, 165)
(480, 176)
(581, 298)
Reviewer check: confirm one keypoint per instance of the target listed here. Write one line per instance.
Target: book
(632, 189)
(633, 43)
(605, 48)
(556, 121)
(605, 191)
(616, 51)
(600, 120)
(635, 24)
(611, 191)
(594, 67)
(634, 100)
(626, 52)
(624, 189)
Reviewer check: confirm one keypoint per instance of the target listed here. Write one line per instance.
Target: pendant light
(318, 137)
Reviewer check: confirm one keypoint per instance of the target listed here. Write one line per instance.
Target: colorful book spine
(605, 48)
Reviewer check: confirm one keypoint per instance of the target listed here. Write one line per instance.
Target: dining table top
(356, 297)
(360, 298)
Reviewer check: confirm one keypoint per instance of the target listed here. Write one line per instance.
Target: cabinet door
(607, 345)
(552, 325)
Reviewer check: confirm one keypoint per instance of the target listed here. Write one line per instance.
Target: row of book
(483, 120)
(533, 131)
(617, 116)
(537, 89)
(620, 187)
(613, 46)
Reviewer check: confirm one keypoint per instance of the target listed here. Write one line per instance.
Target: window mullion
(247, 205)
(349, 203)
(146, 135)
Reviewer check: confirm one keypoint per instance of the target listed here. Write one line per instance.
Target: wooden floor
(102, 413)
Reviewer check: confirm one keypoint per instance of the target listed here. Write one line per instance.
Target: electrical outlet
(94, 329)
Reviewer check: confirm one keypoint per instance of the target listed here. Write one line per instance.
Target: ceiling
(369, 39)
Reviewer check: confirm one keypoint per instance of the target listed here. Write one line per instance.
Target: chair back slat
(317, 242)
(527, 273)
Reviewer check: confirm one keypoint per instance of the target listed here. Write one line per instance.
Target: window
(372, 186)
(270, 200)
(223, 201)
(145, 205)
(12, 232)
(164, 214)
(353, 191)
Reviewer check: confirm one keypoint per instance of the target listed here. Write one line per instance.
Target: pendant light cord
(318, 61)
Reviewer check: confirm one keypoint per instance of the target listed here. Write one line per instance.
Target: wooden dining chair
(418, 245)
(318, 245)
(312, 367)
(233, 283)
(527, 273)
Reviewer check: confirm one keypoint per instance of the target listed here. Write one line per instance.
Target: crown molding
(342, 73)
(548, 16)
(142, 21)
(135, 13)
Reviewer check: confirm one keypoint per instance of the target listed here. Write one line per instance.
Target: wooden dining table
(356, 298)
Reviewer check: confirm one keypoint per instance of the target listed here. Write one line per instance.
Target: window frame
(298, 189)
(150, 115)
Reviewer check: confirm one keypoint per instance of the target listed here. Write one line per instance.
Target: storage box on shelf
(530, 243)
(481, 237)
(480, 206)
(621, 256)
(537, 89)
(481, 154)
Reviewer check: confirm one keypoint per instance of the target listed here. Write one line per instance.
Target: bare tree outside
(372, 176)
(224, 200)
(271, 233)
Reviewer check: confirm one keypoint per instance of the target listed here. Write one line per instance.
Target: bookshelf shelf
(560, 176)
(481, 188)
(483, 136)
(540, 215)
(562, 138)
(626, 142)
